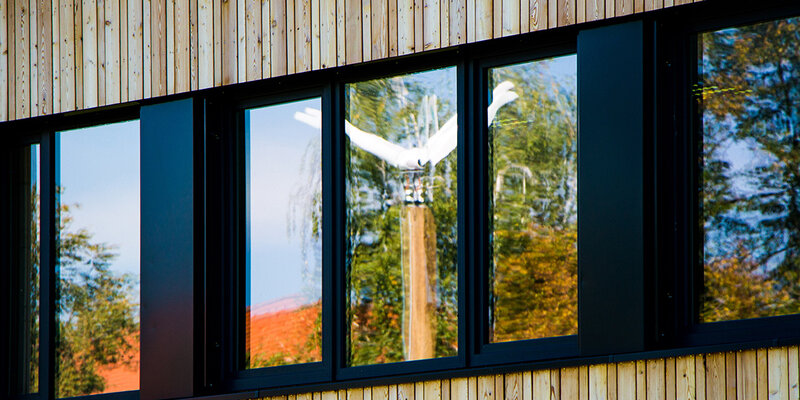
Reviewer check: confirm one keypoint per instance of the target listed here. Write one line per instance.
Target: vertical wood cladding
(63, 55)
(749, 374)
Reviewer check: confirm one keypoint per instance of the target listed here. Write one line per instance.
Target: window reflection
(97, 308)
(533, 161)
(283, 321)
(25, 338)
(748, 95)
(401, 218)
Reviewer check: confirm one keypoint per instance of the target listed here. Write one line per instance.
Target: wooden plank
(623, 7)
(77, 27)
(266, 39)
(194, 43)
(183, 66)
(513, 386)
(328, 30)
(458, 22)
(278, 37)
(580, 11)
(391, 26)
(715, 376)
(595, 10)
(583, 383)
(67, 51)
(12, 59)
(446, 389)
(552, 14)
(544, 13)
(555, 384)
(510, 16)
(158, 47)
(459, 390)
(302, 25)
(315, 35)
(483, 19)
(486, 387)
(419, 41)
(253, 38)
(533, 16)
(570, 385)
(524, 20)
(380, 393)
(170, 46)
(700, 376)
(135, 50)
(499, 386)
(471, 21)
(794, 374)
(612, 380)
(55, 59)
(22, 58)
(626, 380)
(111, 48)
(747, 387)
(330, 395)
(366, 30)
(45, 64)
(241, 42)
(762, 373)
(566, 12)
(380, 31)
(217, 15)
(730, 375)
(430, 32)
(610, 8)
(598, 382)
(353, 31)
(684, 378)
(405, 391)
(641, 379)
(670, 384)
(392, 392)
(101, 52)
(123, 50)
(472, 384)
(205, 44)
(4, 71)
(355, 393)
(341, 58)
(656, 376)
(419, 390)
(444, 24)
(668, 3)
(432, 390)
(778, 379)
(497, 18)
(147, 63)
(291, 61)
(33, 57)
(229, 47)
(405, 26)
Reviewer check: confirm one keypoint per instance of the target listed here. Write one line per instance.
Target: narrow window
(402, 206)
(25, 271)
(97, 305)
(283, 305)
(533, 136)
(748, 94)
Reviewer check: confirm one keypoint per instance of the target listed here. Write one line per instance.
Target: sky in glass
(277, 145)
(99, 176)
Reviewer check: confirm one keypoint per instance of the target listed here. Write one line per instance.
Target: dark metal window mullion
(335, 172)
(466, 207)
(47, 264)
(330, 189)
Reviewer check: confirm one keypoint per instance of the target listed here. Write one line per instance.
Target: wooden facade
(64, 55)
(741, 375)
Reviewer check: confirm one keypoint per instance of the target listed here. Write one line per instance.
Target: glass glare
(97, 306)
(401, 218)
(748, 92)
(532, 117)
(283, 315)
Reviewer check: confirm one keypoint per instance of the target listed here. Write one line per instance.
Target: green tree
(97, 321)
(749, 92)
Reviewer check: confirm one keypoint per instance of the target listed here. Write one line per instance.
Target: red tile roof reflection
(283, 327)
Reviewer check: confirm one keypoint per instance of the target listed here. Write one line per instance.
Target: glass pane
(283, 314)
(401, 218)
(533, 142)
(97, 309)
(748, 93)
(25, 338)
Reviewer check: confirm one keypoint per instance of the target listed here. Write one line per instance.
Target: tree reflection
(748, 92)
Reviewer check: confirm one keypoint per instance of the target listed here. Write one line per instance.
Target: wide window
(748, 92)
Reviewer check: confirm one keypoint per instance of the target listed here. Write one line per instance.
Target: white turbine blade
(376, 145)
(310, 117)
(501, 95)
(442, 143)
